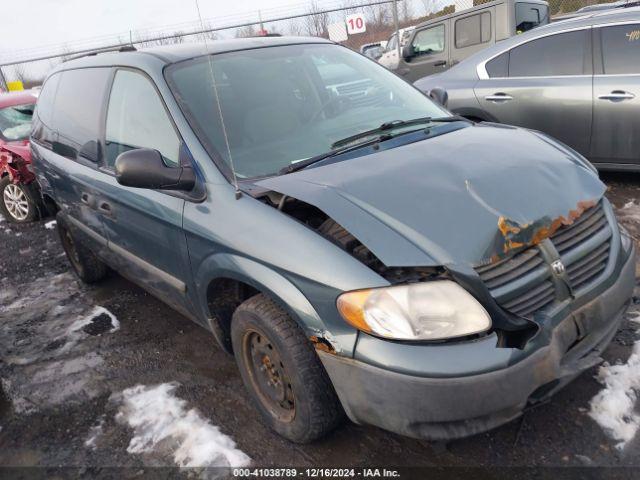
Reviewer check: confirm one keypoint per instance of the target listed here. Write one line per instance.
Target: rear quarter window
(499, 66)
(43, 115)
(78, 110)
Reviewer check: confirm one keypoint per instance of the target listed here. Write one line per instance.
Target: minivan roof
(473, 9)
(183, 51)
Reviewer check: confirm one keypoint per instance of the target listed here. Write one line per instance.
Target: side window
(473, 30)
(621, 49)
(78, 112)
(530, 15)
(554, 55)
(136, 118)
(429, 41)
(499, 66)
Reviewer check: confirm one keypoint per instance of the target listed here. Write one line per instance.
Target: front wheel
(16, 203)
(282, 372)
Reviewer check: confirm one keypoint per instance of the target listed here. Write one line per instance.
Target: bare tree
(378, 15)
(246, 31)
(204, 36)
(317, 21)
(406, 11)
(295, 28)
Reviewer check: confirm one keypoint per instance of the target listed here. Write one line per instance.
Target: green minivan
(358, 248)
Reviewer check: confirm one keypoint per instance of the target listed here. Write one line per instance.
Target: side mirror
(144, 168)
(408, 52)
(439, 95)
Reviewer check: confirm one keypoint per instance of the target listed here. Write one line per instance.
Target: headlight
(432, 310)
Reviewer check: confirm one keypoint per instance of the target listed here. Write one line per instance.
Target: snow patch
(95, 313)
(161, 422)
(613, 408)
(94, 433)
(630, 211)
(50, 225)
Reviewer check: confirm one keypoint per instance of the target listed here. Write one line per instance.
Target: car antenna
(215, 89)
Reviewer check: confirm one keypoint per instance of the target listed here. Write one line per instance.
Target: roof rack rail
(123, 48)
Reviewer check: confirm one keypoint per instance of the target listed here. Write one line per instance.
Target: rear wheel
(282, 372)
(86, 265)
(16, 203)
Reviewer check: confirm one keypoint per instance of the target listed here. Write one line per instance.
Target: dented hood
(469, 196)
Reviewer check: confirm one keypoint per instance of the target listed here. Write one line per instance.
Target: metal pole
(261, 24)
(396, 25)
(3, 82)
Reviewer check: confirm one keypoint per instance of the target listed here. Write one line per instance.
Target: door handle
(617, 95)
(87, 199)
(105, 209)
(440, 63)
(498, 97)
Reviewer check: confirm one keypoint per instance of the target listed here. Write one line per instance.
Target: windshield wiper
(393, 125)
(346, 144)
(294, 167)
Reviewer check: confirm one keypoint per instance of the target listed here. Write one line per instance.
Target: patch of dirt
(98, 325)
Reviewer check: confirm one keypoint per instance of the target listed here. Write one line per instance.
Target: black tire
(20, 197)
(316, 408)
(86, 265)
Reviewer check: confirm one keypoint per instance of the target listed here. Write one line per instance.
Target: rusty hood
(469, 196)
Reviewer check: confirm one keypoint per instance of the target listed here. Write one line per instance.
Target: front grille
(584, 246)
(522, 283)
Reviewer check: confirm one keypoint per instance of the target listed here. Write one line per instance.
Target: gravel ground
(63, 366)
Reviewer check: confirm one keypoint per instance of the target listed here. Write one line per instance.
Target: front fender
(263, 279)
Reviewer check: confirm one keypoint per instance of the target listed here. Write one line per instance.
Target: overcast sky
(43, 23)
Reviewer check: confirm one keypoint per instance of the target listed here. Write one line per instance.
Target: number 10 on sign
(355, 24)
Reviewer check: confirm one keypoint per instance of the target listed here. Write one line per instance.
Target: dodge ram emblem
(558, 267)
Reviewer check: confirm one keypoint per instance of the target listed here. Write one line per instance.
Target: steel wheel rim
(70, 249)
(268, 375)
(16, 202)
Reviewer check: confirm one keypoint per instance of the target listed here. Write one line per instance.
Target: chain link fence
(30, 66)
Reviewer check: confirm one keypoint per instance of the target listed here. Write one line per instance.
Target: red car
(18, 189)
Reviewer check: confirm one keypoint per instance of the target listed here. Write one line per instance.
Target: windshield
(15, 121)
(282, 105)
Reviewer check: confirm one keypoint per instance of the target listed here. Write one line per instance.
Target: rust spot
(517, 236)
(321, 344)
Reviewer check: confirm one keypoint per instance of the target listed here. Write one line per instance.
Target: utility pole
(396, 25)
(3, 81)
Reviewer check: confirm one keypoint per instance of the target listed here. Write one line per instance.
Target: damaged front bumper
(449, 391)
